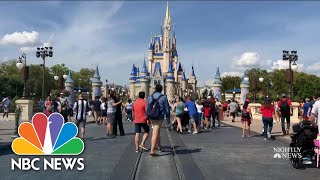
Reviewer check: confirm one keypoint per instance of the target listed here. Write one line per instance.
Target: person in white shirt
(315, 113)
(200, 113)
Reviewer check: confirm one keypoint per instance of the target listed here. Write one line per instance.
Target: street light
(234, 95)
(43, 52)
(23, 65)
(292, 58)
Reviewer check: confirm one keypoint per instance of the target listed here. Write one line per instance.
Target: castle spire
(133, 71)
(180, 67)
(168, 18)
(170, 68)
(184, 76)
(193, 71)
(217, 76)
(144, 68)
(69, 78)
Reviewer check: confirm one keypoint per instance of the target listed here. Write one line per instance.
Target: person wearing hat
(268, 112)
(286, 110)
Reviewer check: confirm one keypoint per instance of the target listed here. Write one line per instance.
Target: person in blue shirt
(193, 113)
(305, 109)
(156, 123)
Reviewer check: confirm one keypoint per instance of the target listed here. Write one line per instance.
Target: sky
(115, 34)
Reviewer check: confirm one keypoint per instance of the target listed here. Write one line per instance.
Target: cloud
(21, 38)
(315, 68)
(247, 59)
(224, 74)
(29, 49)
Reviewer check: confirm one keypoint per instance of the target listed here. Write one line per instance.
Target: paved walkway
(257, 126)
(213, 154)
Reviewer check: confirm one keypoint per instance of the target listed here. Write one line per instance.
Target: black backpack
(153, 110)
(245, 113)
(284, 107)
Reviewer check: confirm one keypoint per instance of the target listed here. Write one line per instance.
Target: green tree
(230, 82)
(82, 78)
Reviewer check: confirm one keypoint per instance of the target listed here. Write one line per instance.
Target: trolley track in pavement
(138, 168)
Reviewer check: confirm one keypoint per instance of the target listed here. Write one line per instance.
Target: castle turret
(217, 84)
(183, 82)
(96, 84)
(151, 48)
(170, 83)
(144, 79)
(132, 82)
(69, 86)
(244, 85)
(193, 82)
(166, 40)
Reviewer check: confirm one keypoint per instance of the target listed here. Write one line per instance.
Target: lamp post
(56, 78)
(292, 58)
(44, 52)
(254, 82)
(234, 94)
(23, 65)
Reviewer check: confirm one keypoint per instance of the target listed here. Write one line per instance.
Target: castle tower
(170, 83)
(179, 73)
(244, 85)
(166, 40)
(217, 84)
(144, 79)
(69, 86)
(193, 81)
(183, 83)
(96, 84)
(132, 82)
(151, 49)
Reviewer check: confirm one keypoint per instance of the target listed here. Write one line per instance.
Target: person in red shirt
(140, 120)
(268, 112)
(207, 114)
(286, 110)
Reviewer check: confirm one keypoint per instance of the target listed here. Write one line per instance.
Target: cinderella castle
(164, 67)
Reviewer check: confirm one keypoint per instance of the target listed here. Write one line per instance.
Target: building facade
(163, 67)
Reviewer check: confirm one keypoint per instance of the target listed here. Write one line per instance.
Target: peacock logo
(47, 136)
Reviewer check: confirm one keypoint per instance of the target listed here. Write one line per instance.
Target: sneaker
(219, 125)
(195, 132)
(287, 132)
(265, 139)
(269, 135)
(189, 131)
(249, 135)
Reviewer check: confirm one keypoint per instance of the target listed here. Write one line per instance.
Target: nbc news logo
(286, 152)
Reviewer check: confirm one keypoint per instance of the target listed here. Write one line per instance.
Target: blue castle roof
(217, 77)
(69, 78)
(151, 46)
(170, 68)
(243, 78)
(184, 76)
(96, 77)
(180, 67)
(157, 69)
(144, 67)
(193, 71)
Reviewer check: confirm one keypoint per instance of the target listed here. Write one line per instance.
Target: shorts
(138, 127)
(179, 115)
(97, 114)
(111, 117)
(248, 120)
(81, 123)
(157, 122)
(225, 109)
(233, 114)
(5, 109)
(104, 113)
(193, 120)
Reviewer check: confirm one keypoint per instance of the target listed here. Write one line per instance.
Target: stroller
(303, 135)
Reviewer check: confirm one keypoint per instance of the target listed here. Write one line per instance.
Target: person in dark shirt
(118, 118)
(55, 105)
(64, 112)
(97, 110)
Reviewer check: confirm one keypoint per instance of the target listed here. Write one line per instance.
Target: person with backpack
(81, 107)
(157, 110)
(246, 117)
(286, 110)
(193, 116)
(268, 112)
